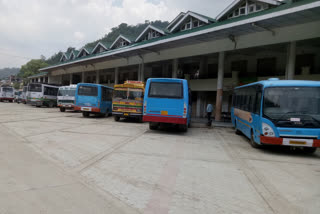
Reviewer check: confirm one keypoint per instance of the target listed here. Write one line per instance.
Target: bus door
(256, 113)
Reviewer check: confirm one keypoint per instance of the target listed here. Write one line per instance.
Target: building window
(258, 7)
(242, 11)
(305, 60)
(240, 66)
(267, 67)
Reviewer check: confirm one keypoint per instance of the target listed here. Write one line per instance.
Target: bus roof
(282, 83)
(93, 84)
(68, 87)
(131, 84)
(166, 80)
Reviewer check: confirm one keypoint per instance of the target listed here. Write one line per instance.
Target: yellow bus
(127, 100)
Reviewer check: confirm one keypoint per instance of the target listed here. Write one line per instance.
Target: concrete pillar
(71, 79)
(219, 96)
(198, 111)
(139, 72)
(98, 77)
(83, 76)
(142, 72)
(175, 63)
(291, 60)
(116, 76)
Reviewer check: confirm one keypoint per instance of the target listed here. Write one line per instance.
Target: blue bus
(278, 112)
(93, 99)
(167, 101)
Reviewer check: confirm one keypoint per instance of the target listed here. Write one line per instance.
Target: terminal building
(248, 41)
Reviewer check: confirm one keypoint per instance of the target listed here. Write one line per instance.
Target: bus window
(166, 90)
(35, 88)
(88, 91)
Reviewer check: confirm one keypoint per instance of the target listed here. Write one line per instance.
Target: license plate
(293, 142)
(126, 114)
(164, 112)
(85, 109)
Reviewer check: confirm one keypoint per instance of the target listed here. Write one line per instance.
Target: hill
(6, 72)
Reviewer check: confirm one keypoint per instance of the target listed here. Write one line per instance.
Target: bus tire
(184, 128)
(238, 132)
(116, 118)
(153, 126)
(252, 142)
(62, 109)
(102, 115)
(85, 114)
(310, 150)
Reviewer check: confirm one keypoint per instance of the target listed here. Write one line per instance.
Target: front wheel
(116, 118)
(310, 150)
(85, 114)
(153, 126)
(252, 142)
(62, 109)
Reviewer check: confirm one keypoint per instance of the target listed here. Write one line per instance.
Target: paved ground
(52, 162)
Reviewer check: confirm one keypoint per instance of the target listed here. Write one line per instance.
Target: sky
(31, 28)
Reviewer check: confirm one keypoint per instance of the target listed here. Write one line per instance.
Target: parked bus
(127, 100)
(93, 99)
(167, 101)
(66, 97)
(24, 94)
(279, 112)
(6, 93)
(40, 94)
(17, 96)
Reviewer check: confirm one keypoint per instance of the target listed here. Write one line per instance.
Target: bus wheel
(102, 115)
(184, 128)
(310, 150)
(116, 118)
(153, 126)
(62, 109)
(238, 132)
(85, 114)
(252, 142)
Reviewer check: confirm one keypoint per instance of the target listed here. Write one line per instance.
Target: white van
(66, 97)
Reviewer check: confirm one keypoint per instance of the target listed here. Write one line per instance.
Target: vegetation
(32, 67)
(6, 72)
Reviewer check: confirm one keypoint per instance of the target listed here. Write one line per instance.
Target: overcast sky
(30, 28)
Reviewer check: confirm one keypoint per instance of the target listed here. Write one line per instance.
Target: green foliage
(32, 68)
(16, 85)
(6, 72)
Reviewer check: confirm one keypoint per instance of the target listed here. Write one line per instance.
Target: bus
(24, 94)
(17, 96)
(66, 97)
(127, 100)
(6, 93)
(93, 99)
(278, 112)
(168, 102)
(40, 94)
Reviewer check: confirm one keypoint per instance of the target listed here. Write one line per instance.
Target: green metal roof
(209, 26)
(39, 75)
(203, 16)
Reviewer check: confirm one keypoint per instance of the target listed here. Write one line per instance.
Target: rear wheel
(85, 114)
(102, 114)
(62, 109)
(116, 118)
(184, 128)
(252, 142)
(310, 150)
(153, 126)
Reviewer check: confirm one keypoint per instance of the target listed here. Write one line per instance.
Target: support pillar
(98, 77)
(291, 60)
(218, 107)
(175, 68)
(198, 112)
(116, 76)
(82, 79)
(142, 72)
(71, 79)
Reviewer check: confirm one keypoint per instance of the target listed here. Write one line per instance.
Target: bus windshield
(166, 90)
(7, 89)
(128, 94)
(35, 88)
(67, 92)
(88, 91)
(293, 106)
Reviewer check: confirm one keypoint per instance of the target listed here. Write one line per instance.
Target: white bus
(40, 94)
(6, 93)
(66, 97)
(24, 94)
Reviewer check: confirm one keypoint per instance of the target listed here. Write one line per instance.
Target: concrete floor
(52, 162)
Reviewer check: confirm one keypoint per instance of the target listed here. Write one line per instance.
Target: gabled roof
(41, 74)
(74, 53)
(198, 16)
(86, 49)
(66, 55)
(129, 39)
(104, 44)
(158, 29)
(235, 3)
(175, 20)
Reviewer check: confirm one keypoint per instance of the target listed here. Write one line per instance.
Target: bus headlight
(267, 130)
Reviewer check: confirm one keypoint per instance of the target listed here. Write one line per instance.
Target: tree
(32, 68)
